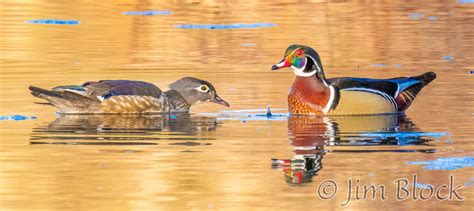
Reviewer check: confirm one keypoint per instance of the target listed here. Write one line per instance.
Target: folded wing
(400, 92)
(107, 88)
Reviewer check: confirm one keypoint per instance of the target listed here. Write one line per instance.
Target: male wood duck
(313, 93)
(125, 96)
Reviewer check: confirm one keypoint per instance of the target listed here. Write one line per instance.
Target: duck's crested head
(304, 61)
(195, 90)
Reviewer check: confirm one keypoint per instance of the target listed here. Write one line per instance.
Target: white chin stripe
(300, 72)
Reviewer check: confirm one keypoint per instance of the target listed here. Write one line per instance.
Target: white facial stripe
(293, 51)
(300, 71)
(316, 63)
(314, 60)
(283, 62)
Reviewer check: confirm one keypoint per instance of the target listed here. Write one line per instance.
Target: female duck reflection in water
(310, 134)
(126, 129)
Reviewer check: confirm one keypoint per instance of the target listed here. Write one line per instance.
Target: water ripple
(53, 21)
(17, 117)
(225, 26)
(447, 163)
(148, 12)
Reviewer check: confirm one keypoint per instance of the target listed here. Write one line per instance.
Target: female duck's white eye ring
(203, 88)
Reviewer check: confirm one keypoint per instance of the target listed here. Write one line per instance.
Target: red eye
(299, 52)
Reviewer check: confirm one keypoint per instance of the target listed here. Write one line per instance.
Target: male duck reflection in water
(125, 96)
(309, 135)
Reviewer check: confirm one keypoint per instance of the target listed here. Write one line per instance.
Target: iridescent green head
(302, 59)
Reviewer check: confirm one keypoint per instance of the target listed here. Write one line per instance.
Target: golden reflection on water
(310, 135)
(126, 129)
(194, 161)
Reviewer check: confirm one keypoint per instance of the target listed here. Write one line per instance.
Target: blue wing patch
(403, 84)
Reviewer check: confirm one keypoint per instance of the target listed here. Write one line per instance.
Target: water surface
(215, 158)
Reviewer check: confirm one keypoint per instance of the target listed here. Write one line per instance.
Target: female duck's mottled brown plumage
(125, 96)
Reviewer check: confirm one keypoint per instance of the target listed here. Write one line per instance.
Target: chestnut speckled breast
(307, 97)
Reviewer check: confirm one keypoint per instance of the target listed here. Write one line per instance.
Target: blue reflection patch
(403, 138)
(433, 18)
(405, 134)
(147, 13)
(448, 58)
(416, 16)
(386, 65)
(448, 163)
(53, 21)
(379, 65)
(225, 26)
(465, 1)
(469, 182)
(17, 117)
(422, 186)
(397, 65)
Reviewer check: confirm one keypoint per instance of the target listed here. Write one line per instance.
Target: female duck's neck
(176, 101)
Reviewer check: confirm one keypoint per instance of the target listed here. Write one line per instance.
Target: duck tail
(43, 93)
(67, 102)
(408, 95)
(426, 78)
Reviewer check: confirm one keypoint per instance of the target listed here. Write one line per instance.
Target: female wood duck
(312, 93)
(124, 96)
